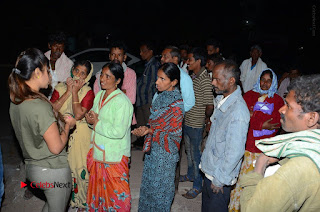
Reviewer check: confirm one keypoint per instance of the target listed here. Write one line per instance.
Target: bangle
(58, 102)
(75, 102)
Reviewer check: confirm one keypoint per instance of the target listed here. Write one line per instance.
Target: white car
(100, 56)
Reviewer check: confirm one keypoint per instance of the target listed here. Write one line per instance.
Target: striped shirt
(204, 96)
(146, 87)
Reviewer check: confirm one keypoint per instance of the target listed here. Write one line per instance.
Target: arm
(77, 108)
(263, 194)
(236, 135)
(187, 91)
(57, 104)
(56, 141)
(130, 85)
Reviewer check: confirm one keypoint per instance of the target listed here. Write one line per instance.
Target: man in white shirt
(251, 69)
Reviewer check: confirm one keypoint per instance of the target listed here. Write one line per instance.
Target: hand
(91, 117)
(251, 111)
(208, 125)
(70, 121)
(77, 85)
(141, 131)
(263, 162)
(268, 126)
(69, 82)
(216, 189)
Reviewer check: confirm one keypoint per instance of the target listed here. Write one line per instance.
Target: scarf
(273, 88)
(300, 144)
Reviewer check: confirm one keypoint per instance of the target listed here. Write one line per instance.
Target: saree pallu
(246, 166)
(108, 185)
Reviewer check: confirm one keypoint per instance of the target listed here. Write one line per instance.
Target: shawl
(299, 144)
(273, 88)
(166, 122)
(61, 88)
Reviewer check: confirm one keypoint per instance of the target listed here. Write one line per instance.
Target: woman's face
(45, 78)
(108, 80)
(265, 82)
(164, 83)
(80, 72)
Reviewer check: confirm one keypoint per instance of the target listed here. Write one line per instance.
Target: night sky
(282, 28)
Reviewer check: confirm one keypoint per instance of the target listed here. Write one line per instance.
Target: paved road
(14, 170)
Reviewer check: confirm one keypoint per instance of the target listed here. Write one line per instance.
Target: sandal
(191, 194)
(184, 178)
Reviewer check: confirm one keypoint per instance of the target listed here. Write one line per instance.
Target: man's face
(209, 65)
(294, 74)
(166, 56)
(292, 117)
(184, 54)
(255, 54)
(56, 50)
(219, 82)
(192, 63)
(117, 55)
(211, 49)
(145, 53)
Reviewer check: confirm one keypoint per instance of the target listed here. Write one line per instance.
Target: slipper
(184, 178)
(191, 194)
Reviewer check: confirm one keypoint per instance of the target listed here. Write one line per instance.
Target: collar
(150, 61)
(124, 66)
(202, 69)
(230, 101)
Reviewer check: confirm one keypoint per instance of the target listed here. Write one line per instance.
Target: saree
(78, 146)
(162, 152)
(109, 185)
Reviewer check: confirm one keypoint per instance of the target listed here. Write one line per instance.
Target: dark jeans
(214, 202)
(193, 138)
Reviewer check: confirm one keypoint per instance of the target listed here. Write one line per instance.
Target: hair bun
(15, 70)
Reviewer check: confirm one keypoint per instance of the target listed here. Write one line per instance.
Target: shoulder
(131, 71)
(278, 98)
(240, 109)
(299, 169)
(250, 94)
(36, 106)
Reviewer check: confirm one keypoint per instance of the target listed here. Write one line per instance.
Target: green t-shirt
(30, 120)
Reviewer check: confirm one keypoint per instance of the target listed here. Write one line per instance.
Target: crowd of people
(235, 123)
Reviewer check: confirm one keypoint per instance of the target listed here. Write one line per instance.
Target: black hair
(117, 71)
(85, 63)
(199, 54)
(266, 72)
(57, 37)
(172, 71)
(27, 62)
(213, 42)
(174, 52)
(231, 69)
(184, 47)
(119, 44)
(149, 44)
(216, 58)
(307, 92)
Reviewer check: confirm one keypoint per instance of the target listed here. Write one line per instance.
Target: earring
(38, 77)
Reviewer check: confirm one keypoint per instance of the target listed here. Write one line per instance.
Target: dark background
(283, 29)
